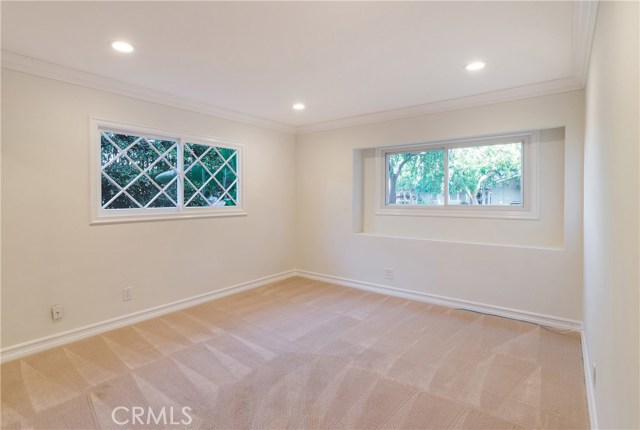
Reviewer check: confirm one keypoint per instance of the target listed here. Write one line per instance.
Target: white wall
(611, 224)
(50, 254)
(528, 277)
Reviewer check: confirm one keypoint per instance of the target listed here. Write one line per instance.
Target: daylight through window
(470, 175)
(147, 174)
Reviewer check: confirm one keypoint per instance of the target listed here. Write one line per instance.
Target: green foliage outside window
(474, 169)
(210, 176)
(473, 173)
(141, 172)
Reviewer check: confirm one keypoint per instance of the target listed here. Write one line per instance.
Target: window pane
(143, 190)
(120, 140)
(108, 190)
(144, 168)
(486, 175)
(122, 171)
(415, 178)
(231, 198)
(122, 202)
(210, 176)
(161, 202)
(189, 192)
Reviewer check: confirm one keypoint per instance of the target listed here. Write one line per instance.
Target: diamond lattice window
(211, 176)
(132, 171)
(145, 174)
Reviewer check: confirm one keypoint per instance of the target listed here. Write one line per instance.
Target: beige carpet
(300, 354)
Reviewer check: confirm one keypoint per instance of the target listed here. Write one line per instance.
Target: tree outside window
(473, 175)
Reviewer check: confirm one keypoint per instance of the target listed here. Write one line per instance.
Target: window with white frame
(144, 174)
(466, 177)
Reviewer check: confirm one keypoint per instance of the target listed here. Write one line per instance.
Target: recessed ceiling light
(122, 46)
(298, 106)
(476, 65)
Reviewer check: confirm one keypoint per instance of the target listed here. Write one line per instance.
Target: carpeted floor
(301, 354)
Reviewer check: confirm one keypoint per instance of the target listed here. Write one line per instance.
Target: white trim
(583, 24)
(588, 380)
(532, 317)
(47, 342)
(21, 63)
(125, 219)
(463, 242)
(500, 96)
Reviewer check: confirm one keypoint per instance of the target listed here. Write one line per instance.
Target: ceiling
(348, 62)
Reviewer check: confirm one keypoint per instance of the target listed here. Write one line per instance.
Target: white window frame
(530, 200)
(101, 216)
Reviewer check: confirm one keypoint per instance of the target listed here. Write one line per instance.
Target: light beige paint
(527, 275)
(612, 217)
(52, 256)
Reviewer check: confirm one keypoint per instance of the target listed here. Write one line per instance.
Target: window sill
(550, 247)
(110, 219)
(461, 212)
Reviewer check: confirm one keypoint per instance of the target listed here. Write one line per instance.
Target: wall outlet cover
(57, 312)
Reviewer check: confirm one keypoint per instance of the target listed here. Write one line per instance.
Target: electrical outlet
(389, 274)
(57, 312)
(593, 374)
(127, 294)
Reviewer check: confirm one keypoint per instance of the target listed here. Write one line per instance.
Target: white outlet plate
(389, 274)
(57, 312)
(127, 294)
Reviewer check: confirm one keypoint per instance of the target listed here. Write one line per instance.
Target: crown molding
(20, 63)
(533, 90)
(583, 26)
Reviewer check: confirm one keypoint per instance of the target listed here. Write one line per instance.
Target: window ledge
(461, 212)
(165, 217)
(550, 247)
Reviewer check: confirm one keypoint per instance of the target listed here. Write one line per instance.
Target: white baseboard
(541, 319)
(588, 380)
(30, 347)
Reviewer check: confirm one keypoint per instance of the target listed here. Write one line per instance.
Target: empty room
(320, 215)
